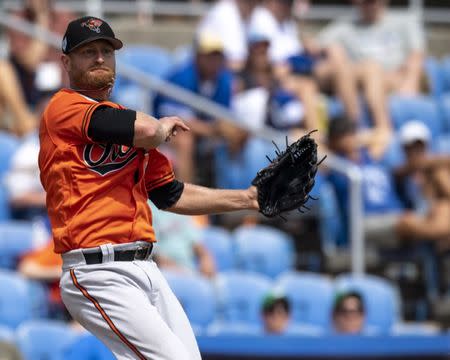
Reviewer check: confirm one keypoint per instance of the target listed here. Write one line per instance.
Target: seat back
(15, 239)
(15, 302)
(220, 244)
(310, 296)
(196, 295)
(263, 249)
(240, 296)
(44, 339)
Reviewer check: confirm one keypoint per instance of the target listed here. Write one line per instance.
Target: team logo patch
(107, 158)
(93, 24)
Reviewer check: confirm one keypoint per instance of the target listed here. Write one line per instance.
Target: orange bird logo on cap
(93, 24)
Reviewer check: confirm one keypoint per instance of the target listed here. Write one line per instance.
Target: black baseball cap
(86, 29)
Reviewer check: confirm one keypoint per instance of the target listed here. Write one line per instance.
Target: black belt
(142, 252)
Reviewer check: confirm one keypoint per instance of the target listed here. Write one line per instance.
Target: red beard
(94, 81)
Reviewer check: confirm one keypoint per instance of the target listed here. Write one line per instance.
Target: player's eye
(89, 52)
(107, 52)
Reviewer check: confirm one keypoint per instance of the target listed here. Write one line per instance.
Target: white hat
(412, 131)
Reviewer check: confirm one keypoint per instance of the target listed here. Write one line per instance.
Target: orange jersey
(96, 193)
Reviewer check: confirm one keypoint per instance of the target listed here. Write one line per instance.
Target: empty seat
(310, 296)
(44, 339)
(219, 242)
(16, 238)
(381, 299)
(240, 297)
(196, 295)
(15, 302)
(87, 347)
(422, 108)
(263, 249)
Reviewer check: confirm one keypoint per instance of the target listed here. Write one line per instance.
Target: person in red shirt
(99, 165)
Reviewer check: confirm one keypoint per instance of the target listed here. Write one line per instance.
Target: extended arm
(199, 200)
(128, 127)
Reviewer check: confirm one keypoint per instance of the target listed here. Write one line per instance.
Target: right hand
(171, 125)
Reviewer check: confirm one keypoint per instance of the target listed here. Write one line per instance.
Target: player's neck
(99, 95)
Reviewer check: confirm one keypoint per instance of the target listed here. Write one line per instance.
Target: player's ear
(65, 59)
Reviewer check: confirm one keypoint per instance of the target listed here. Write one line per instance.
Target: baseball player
(99, 164)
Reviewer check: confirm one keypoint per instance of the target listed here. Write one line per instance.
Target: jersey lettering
(107, 158)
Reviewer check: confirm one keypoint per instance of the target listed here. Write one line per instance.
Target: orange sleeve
(159, 170)
(68, 116)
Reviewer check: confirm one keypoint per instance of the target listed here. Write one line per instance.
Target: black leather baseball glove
(285, 183)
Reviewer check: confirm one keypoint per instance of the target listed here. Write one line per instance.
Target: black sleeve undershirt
(167, 195)
(112, 126)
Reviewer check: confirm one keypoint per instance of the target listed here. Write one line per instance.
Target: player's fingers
(181, 124)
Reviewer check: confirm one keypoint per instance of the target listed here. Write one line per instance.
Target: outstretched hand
(171, 125)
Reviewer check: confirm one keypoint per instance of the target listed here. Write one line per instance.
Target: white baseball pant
(129, 306)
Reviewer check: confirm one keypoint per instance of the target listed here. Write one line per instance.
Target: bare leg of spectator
(337, 71)
(434, 226)
(12, 99)
(184, 148)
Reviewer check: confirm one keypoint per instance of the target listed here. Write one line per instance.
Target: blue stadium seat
(39, 295)
(263, 249)
(15, 240)
(8, 144)
(381, 299)
(240, 297)
(196, 295)
(445, 66)
(422, 108)
(15, 302)
(435, 76)
(310, 295)
(44, 339)
(219, 242)
(87, 347)
(6, 334)
(444, 106)
(443, 144)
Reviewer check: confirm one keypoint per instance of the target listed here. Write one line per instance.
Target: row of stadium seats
(53, 340)
(231, 303)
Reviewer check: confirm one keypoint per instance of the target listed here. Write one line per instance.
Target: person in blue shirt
(206, 75)
(381, 203)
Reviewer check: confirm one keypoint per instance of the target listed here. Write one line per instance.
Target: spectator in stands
(9, 351)
(381, 202)
(387, 49)
(25, 191)
(276, 313)
(277, 107)
(229, 20)
(179, 247)
(348, 313)
(430, 177)
(37, 65)
(205, 75)
(387, 222)
(15, 116)
(303, 67)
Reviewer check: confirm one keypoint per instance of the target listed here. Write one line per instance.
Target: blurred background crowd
(372, 76)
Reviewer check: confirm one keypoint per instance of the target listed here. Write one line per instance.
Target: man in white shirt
(392, 45)
(229, 19)
(301, 67)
